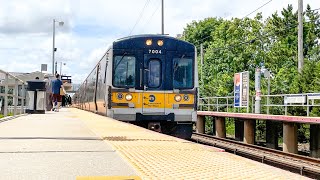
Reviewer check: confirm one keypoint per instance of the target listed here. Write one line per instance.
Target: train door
(153, 98)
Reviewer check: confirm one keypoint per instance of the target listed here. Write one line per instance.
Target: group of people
(55, 94)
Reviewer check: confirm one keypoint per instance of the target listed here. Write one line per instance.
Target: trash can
(36, 93)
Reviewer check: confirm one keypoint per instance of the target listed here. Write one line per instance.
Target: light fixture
(128, 97)
(148, 42)
(177, 98)
(160, 42)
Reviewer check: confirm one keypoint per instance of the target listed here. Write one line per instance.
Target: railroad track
(303, 165)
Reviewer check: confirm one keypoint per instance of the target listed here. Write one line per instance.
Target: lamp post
(53, 41)
(267, 74)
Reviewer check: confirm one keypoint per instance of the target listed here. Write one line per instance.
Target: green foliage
(237, 45)
(230, 127)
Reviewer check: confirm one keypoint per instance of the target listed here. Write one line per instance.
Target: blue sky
(26, 27)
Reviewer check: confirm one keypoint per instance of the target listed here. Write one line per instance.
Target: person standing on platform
(56, 97)
(48, 93)
(69, 100)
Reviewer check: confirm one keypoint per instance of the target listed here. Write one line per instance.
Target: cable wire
(141, 13)
(315, 9)
(154, 12)
(243, 17)
(257, 9)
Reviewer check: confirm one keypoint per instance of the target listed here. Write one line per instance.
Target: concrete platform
(55, 146)
(158, 156)
(75, 144)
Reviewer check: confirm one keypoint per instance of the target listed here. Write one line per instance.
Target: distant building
(32, 76)
(22, 76)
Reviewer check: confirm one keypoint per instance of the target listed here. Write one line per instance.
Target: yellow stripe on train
(150, 100)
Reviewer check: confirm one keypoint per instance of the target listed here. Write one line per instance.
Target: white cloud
(26, 27)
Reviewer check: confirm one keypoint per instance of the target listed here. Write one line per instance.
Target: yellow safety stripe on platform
(108, 178)
(158, 156)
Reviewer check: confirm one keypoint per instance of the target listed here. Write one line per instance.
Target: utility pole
(162, 19)
(258, 90)
(300, 36)
(53, 48)
(56, 68)
(201, 59)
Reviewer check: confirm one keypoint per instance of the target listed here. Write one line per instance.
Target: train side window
(182, 73)
(105, 72)
(124, 71)
(154, 75)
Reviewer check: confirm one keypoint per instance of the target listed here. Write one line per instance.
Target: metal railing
(12, 94)
(281, 104)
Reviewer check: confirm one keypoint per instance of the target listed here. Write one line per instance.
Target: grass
(9, 114)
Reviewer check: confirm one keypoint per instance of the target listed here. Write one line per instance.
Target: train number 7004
(154, 51)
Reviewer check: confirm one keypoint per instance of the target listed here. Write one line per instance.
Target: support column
(249, 129)
(272, 134)
(290, 137)
(238, 127)
(220, 127)
(200, 124)
(315, 140)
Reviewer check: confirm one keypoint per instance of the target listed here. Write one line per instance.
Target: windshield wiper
(176, 64)
(120, 61)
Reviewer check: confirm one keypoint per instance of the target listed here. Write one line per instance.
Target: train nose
(155, 126)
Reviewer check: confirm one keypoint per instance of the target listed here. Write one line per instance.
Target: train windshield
(124, 71)
(182, 73)
(154, 73)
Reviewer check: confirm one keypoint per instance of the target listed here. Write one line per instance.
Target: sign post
(43, 67)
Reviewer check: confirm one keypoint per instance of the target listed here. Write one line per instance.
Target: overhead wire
(268, 35)
(154, 12)
(243, 17)
(257, 9)
(315, 9)
(140, 16)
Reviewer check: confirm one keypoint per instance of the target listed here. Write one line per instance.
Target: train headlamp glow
(177, 98)
(128, 97)
(148, 42)
(160, 42)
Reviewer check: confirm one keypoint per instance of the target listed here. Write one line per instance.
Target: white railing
(12, 94)
(279, 104)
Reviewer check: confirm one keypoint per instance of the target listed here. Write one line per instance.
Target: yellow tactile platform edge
(158, 156)
(108, 178)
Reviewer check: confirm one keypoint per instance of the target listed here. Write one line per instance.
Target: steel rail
(303, 165)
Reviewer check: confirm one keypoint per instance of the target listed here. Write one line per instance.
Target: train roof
(139, 41)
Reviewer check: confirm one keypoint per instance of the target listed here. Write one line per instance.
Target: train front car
(154, 83)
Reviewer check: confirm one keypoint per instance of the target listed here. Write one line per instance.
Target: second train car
(147, 80)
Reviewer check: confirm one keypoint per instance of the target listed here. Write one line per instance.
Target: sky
(26, 27)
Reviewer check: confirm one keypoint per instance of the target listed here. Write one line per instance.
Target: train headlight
(128, 97)
(148, 42)
(160, 42)
(177, 98)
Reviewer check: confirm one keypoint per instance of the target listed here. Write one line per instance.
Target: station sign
(295, 99)
(241, 89)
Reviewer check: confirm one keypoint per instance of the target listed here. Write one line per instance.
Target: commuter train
(147, 80)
